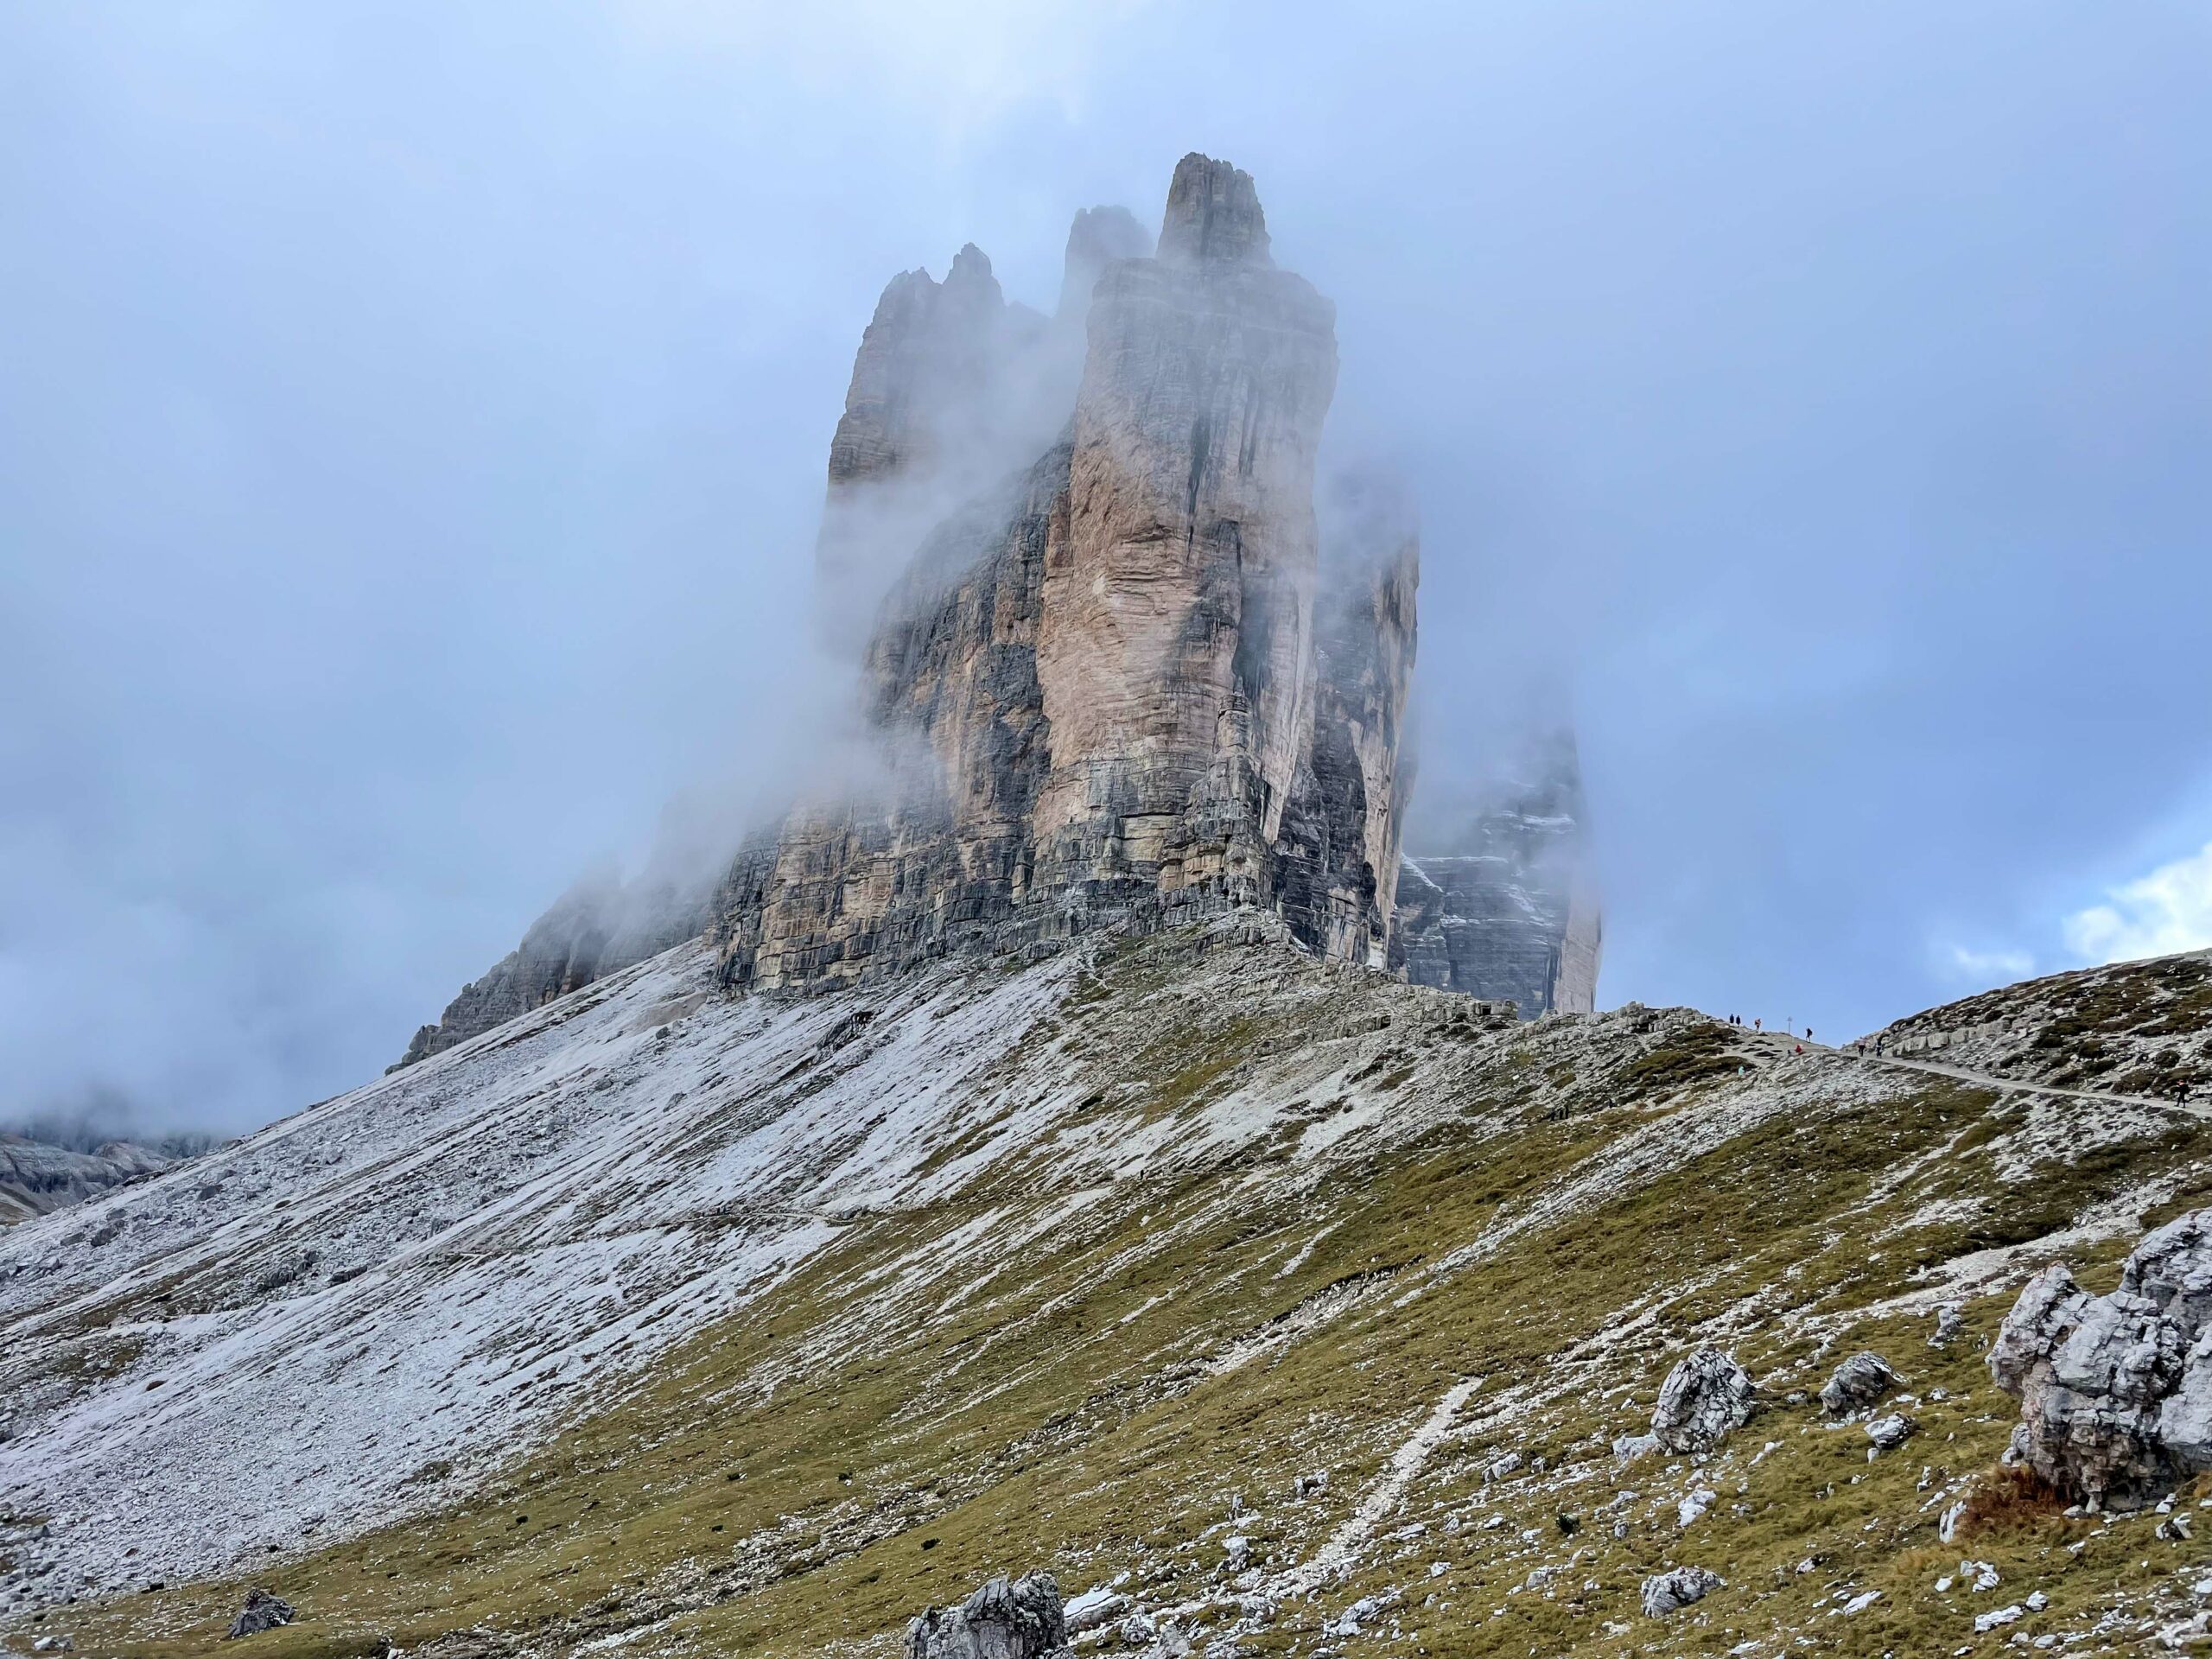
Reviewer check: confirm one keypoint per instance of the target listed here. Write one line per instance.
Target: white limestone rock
(1705, 1397)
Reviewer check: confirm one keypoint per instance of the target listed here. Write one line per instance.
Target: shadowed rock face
(1102, 688)
(1339, 865)
(1508, 912)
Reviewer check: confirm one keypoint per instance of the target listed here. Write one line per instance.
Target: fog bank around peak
(411, 460)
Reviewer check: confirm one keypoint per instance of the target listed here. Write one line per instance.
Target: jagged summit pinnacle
(971, 267)
(1098, 237)
(1213, 216)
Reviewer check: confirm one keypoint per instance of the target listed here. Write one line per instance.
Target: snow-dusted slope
(284, 1336)
(685, 1325)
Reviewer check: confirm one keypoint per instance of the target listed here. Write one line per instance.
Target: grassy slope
(1574, 1205)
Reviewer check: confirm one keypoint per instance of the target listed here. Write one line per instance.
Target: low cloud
(2167, 910)
(1986, 967)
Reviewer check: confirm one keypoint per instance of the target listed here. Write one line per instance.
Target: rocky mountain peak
(970, 275)
(1109, 664)
(1130, 658)
(1213, 216)
(1100, 237)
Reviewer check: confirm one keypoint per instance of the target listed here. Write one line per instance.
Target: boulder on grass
(2115, 1391)
(1670, 1591)
(1704, 1399)
(1019, 1618)
(1859, 1383)
(263, 1611)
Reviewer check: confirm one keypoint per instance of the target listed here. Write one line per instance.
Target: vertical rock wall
(1099, 686)
(1075, 562)
(1176, 654)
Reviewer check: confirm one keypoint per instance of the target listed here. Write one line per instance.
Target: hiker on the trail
(1809, 1033)
(1756, 1026)
(1796, 1048)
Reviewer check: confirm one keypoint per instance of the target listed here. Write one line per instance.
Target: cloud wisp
(2166, 911)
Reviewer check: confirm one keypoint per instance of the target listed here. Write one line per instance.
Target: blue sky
(412, 420)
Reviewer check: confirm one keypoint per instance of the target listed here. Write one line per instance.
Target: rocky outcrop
(1706, 1397)
(1859, 1382)
(37, 1176)
(1508, 912)
(2115, 1391)
(1102, 688)
(264, 1610)
(1017, 1619)
(598, 927)
(1672, 1591)
(1114, 675)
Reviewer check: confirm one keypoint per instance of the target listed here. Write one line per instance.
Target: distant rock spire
(1213, 216)
(1099, 237)
(1506, 909)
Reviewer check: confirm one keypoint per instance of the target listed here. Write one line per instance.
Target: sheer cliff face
(1098, 682)
(1175, 656)
(1349, 807)
(1111, 672)
(1508, 912)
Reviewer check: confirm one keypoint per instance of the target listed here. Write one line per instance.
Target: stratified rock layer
(1509, 912)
